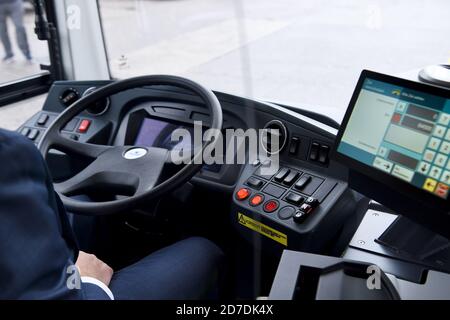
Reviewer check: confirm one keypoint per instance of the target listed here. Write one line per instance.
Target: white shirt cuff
(99, 284)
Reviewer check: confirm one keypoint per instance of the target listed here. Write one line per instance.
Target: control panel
(87, 127)
(295, 204)
(78, 129)
(314, 151)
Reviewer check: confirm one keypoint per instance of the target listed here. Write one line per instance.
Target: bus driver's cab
(306, 202)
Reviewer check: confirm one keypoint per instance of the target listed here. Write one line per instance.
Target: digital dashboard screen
(402, 132)
(158, 133)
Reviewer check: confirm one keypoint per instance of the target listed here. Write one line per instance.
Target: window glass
(21, 53)
(299, 52)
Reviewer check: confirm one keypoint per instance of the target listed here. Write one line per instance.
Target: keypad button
(271, 206)
(434, 143)
(444, 119)
(440, 160)
(382, 152)
(401, 106)
(286, 213)
(435, 173)
(447, 135)
(446, 177)
(442, 190)
(439, 131)
(429, 155)
(423, 168)
(445, 148)
(242, 194)
(430, 185)
(256, 200)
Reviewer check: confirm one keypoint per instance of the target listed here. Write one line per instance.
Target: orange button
(271, 206)
(242, 194)
(84, 126)
(256, 200)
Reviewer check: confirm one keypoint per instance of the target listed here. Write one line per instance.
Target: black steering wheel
(125, 167)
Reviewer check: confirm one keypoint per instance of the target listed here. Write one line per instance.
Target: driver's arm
(37, 249)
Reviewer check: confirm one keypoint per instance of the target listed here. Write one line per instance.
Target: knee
(205, 249)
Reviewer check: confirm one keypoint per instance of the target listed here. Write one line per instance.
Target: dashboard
(302, 203)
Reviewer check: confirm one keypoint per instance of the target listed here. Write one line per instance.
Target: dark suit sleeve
(37, 248)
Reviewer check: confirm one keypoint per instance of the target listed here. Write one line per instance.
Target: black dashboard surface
(109, 123)
(315, 180)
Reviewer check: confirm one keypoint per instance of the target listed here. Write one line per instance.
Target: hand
(90, 266)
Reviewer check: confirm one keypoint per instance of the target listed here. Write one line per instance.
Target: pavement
(299, 52)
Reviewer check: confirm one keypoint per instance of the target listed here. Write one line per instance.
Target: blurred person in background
(13, 9)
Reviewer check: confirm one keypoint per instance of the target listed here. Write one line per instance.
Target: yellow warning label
(262, 228)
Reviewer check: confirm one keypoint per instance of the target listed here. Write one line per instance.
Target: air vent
(100, 106)
(275, 129)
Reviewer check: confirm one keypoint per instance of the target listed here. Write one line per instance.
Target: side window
(21, 53)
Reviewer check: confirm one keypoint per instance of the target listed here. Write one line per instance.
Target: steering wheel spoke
(77, 183)
(84, 149)
(120, 170)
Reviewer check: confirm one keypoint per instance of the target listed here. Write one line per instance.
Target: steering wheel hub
(135, 153)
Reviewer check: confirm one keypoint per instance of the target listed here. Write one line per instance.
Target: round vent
(99, 107)
(276, 130)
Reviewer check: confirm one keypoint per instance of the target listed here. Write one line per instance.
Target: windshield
(303, 53)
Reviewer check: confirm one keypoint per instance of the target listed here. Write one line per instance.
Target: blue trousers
(189, 269)
(14, 10)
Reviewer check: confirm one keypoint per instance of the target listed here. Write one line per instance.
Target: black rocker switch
(303, 182)
(282, 174)
(293, 147)
(290, 179)
(294, 198)
(323, 154)
(42, 121)
(314, 153)
(255, 183)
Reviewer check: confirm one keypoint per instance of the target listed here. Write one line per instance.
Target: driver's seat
(38, 249)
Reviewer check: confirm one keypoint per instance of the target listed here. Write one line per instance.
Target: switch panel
(319, 153)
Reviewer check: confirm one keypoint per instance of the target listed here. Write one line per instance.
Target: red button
(84, 126)
(242, 194)
(271, 206)
(256, 200)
